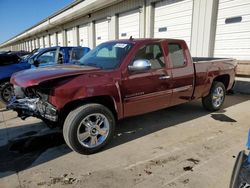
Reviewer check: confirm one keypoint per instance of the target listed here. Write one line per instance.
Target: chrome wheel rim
(7, 93)
(93, 130)
(218, 97)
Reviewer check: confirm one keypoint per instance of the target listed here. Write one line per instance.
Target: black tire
(207, 101)
(4, 88)
(237, 174)
(72, 123)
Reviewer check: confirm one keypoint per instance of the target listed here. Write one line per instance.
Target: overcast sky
(18, 15)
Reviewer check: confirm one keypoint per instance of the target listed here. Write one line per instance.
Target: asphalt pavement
(182, 146)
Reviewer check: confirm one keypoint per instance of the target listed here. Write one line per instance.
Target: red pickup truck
(116, 80)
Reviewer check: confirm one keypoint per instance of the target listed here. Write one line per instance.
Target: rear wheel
(88, 128)
(215, 99)
(6, 92)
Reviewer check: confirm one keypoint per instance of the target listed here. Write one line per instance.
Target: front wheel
(88, 128)
(6, 92)
(215, 99)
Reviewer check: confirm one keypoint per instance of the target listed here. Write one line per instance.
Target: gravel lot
(183, 146)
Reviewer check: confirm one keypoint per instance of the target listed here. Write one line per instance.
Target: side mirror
(140, 65)
(36, 63)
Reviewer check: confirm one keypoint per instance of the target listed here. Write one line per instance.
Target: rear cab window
(76, 54)
(176, 55)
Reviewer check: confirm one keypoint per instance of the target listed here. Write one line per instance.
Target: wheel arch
(105, 100)
(225, 79)
(4, 80)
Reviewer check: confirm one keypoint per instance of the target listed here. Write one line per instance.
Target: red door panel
(145, 92)
(182, 72)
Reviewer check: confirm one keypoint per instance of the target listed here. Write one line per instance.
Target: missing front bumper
(35, 107)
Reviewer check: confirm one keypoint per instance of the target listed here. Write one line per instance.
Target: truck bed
(206, 68)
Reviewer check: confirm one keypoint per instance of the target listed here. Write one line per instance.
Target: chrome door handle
(164, 77)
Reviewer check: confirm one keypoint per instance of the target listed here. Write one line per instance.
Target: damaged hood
(34, 77)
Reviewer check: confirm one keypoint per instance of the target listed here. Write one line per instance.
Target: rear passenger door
(182, 72)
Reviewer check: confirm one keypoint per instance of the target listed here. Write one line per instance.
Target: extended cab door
(149, 90)
(182, 71)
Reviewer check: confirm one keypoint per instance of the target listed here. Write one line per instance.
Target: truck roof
(142, 40)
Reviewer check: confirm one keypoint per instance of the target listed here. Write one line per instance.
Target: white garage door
(27, 45)
(233, 29)
(31, 45)
(59, 39)
(52, 39)
(173, 19)
(69, 34)
(46, 41)
(102, 31)
(83, 35)
(37, 43)
(41, 42)
(129, 24)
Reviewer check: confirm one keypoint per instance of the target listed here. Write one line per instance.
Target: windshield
(106, 55)
(33, 54)
(25, 57)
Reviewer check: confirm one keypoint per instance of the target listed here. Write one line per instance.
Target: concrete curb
(242, 85)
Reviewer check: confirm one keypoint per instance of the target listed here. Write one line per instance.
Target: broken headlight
(47, 110)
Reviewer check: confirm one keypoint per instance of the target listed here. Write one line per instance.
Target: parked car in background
(19, 53)
(119, 79)
(7, 59)
(12, 57)
(241, 172)
(38, 58)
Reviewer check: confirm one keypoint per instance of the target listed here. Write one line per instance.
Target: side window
(47, 57)
(76, 54)
(176, 55)
(153, 53)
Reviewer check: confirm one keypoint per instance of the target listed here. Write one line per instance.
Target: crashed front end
(33, 101)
